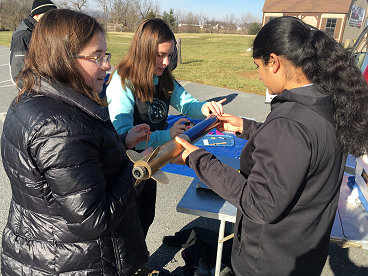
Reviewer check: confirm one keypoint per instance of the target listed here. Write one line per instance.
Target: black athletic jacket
(288, 188)
(21, 38)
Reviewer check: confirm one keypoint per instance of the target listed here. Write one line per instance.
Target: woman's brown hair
(59, 36)
(137, 68)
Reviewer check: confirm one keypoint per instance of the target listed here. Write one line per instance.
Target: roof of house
(330, 6)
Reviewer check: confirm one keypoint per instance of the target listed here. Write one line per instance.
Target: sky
(218, 9)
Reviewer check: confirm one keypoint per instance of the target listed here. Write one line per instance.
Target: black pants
(147, 204)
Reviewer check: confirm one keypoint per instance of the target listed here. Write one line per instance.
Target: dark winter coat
(21, 38)
(288, 188)
(73, 208)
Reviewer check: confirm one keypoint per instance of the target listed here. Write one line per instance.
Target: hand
(178, 127)
(213, 107)
(230, 123)
(188, 149)
(136, 135)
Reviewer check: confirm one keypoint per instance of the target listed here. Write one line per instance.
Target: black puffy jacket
(73, 208)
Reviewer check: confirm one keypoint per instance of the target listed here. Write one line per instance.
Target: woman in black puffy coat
(73, 208)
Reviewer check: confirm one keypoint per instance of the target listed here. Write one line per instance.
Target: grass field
(214, 59)
(5, 38)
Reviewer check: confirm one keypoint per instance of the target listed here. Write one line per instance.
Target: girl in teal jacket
(142, 88)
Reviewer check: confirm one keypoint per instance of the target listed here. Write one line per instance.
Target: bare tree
(147, 9)
(106, 6)
(12, 12)
(230, 22)
(202, 19)
(247, 19)
(121, 9)
(191, 18)
(179, 15)
(79, 5)
(62, 4)
(125, 14)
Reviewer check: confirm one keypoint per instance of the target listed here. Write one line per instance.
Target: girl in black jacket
(73, 209)
(292, 166)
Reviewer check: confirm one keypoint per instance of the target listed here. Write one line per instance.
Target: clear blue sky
(215, 8)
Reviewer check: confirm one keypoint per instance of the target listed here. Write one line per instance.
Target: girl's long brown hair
(137, 68)
(59, 36)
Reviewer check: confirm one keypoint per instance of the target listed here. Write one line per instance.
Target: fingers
(230, 122)
(219, 104)
(212, 106)
(142, 129)
(178, 127)
(225, 117)
(143, 135)
(186, 145)
(178, 160)
(137, 134)
(215, 108)
(182, 142)
(222, 101)
(181, 120)
(188, 148)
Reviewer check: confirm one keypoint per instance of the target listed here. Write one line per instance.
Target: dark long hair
(330, 67)
(137, 68)
(59, 36)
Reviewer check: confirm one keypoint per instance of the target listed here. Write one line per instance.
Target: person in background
(73, 208)
(292, 165)
(22, 35)
(142, 88)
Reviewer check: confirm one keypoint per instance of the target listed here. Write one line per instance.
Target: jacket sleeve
(121, 105)
(249, 128)
(281, 161)
(185, 103)
(90, 203)
(18, 51)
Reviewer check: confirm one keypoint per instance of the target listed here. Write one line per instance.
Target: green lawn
(215, 59)
(5, 38)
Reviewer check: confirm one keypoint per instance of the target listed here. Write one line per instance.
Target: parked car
(359, 52)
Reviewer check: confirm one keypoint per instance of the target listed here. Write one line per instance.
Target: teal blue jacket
(121, 109)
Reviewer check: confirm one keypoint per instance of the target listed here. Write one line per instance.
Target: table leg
(220, 247)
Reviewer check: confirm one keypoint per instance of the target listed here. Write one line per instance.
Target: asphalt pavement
(341, 261)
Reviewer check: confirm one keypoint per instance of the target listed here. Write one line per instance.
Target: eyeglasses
(98, 60)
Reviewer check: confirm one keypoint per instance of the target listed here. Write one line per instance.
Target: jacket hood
(69, 96)
(29, 23)
(308, 96)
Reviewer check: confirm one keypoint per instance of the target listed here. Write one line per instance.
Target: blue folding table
(350, 228)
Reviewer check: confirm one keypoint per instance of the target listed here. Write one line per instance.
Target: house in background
(342, 19)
